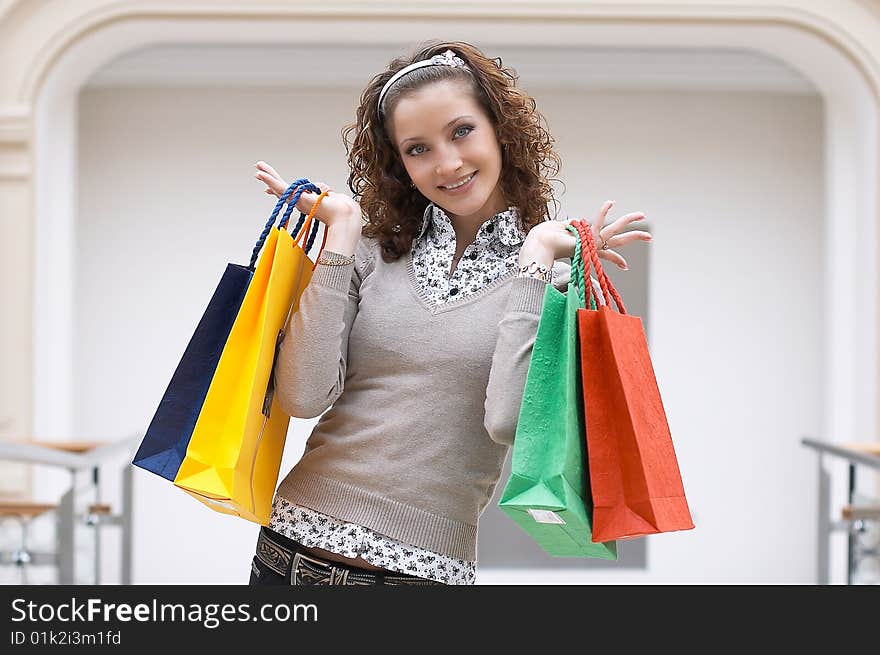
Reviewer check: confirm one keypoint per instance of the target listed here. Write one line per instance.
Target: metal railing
(854, 458)
(66, 513)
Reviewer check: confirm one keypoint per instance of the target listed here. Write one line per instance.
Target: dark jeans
(283, 561)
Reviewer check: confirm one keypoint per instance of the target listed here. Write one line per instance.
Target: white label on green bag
(545, 516)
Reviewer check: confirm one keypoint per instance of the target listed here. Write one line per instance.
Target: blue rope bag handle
(302, 217)
(312, 236)
(297, 187)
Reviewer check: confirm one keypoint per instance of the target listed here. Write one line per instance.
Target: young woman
(417, 326)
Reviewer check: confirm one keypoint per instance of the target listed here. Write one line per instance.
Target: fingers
(614, 258)
(628, 237)
(603, 214)
(274, 186)
(269, 176)
(615, 237)
(263, 166)
(621, 240)
(617, 226)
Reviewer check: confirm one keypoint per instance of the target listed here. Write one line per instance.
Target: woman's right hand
(335, 208)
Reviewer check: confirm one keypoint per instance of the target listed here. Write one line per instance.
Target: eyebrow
(449, 124)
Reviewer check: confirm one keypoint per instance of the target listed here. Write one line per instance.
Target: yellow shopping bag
(234, 455)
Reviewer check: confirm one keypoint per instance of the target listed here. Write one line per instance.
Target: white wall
(733, 189)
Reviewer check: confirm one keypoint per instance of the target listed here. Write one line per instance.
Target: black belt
(302, 568)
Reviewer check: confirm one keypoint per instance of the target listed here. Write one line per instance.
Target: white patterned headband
(448, 58)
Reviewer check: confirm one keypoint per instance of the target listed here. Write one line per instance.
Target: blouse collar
(505, 225)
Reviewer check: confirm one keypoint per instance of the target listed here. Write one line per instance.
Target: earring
(396, 228)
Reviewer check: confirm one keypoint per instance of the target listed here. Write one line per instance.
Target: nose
(448, 162)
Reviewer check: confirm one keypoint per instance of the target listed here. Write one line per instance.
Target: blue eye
(469, 128)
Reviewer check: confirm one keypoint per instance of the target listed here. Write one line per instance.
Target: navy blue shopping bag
(164, 444)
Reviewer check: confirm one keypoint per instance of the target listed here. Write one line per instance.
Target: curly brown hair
(379, 179)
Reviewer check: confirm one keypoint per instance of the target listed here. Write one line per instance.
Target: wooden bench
(23, 509)
(861, 512)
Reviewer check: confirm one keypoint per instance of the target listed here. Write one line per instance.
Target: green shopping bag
(548, 492)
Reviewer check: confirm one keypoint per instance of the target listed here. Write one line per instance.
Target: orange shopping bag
(634, 476)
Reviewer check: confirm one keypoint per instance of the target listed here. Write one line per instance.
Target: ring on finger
(605, 245)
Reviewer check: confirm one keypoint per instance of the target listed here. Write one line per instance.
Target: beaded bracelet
(534, 269)
(334, 259)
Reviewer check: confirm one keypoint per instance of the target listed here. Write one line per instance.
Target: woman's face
(444, 138)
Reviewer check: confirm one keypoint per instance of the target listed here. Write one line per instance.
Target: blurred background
(747, 133)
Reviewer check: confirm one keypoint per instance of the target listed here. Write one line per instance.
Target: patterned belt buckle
(272, 555)
(310, 571)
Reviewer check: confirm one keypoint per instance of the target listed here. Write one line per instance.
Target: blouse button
(453, 292)
(473, 255)
(490, 228)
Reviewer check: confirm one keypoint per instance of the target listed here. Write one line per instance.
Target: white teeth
(463, 182)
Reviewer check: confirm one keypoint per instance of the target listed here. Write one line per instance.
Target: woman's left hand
(551, 240)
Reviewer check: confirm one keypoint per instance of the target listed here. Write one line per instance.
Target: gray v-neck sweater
(425, 398)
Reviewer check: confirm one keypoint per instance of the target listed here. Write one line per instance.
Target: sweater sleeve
(510, 362)
(513, 352)
(311, 363)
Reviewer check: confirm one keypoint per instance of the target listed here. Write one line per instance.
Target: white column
(16, 287)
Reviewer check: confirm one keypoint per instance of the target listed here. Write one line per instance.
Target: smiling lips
(459, 184)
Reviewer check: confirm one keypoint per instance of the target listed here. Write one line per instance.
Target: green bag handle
(578, 274)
